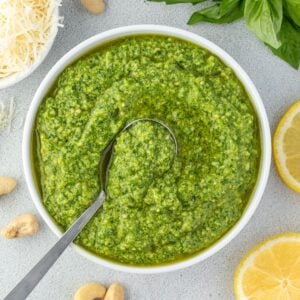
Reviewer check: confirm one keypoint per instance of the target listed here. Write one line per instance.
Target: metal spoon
(28, 283)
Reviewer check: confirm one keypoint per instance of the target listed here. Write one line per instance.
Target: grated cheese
(26, 26)
(6, 114)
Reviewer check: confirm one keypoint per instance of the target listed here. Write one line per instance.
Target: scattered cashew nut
(7, 184)
(96, 7)
(90, 291)
(115, 292)
(22, 225)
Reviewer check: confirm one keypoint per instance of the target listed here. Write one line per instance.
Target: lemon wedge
(271, 270)
(286, 147)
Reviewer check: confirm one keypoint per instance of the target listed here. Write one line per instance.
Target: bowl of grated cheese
(27, 31)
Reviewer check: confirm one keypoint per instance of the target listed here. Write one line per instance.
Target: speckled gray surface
(279, 211)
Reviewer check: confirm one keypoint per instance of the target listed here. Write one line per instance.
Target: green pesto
(156, 211)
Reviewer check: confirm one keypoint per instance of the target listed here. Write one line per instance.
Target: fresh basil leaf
(264, 18)
(226, 11)
(290, 48)
(226, 6)
(292, 7)
(178, 1)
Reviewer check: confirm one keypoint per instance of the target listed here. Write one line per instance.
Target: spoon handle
(28, 283)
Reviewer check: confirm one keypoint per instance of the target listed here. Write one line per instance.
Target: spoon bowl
(108, 151)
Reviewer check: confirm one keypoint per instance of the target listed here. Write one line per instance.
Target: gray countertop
(279, 210)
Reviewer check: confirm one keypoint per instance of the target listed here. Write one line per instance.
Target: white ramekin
(13, 79)
(101, 38)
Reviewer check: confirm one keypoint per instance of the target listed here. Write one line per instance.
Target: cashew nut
(22, 225)
(90, 291)
(115, 292)
(96, 7)
(7, 184)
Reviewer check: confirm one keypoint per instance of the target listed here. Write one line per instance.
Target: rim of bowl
(15, 78)
(117, 33)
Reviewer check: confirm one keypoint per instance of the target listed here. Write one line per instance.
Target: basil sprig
(275, 22)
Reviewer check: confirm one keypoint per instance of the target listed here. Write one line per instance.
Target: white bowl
(13, 79)
(101, 38)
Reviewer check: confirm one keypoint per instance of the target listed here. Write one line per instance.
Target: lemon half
(286, 147)
(270, 271)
